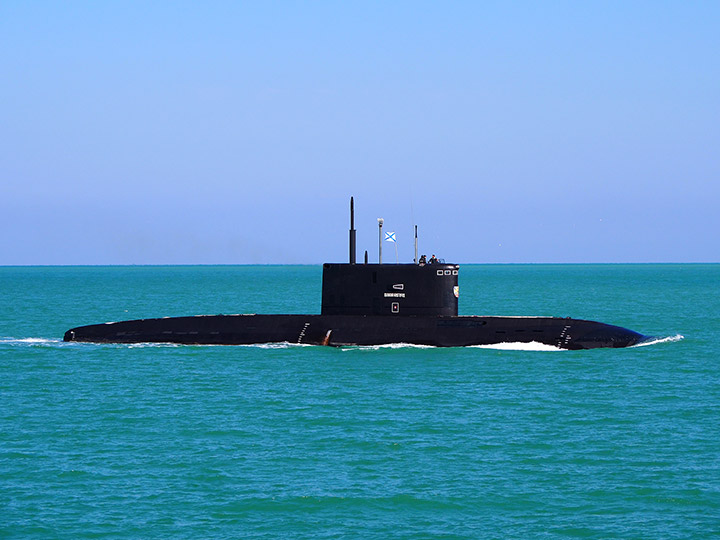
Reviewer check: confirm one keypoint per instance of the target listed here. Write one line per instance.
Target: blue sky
(234, 132)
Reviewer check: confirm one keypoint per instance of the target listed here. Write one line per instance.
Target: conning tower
(388, 289)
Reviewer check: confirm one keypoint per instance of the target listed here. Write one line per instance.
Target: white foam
(520, 346)
(161, 344)
(277, 345)
(515, 346)
(386, 346)
(29, 341)
(141, 345)
(655, 341)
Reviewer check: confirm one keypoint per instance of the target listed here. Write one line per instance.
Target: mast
(352, 231)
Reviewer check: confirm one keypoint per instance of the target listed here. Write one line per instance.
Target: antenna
(380, 224)
(416, 259)
(352, 231)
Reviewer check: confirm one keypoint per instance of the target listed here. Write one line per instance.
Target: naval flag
(390, 237)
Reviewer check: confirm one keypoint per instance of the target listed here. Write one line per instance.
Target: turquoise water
(280, 441)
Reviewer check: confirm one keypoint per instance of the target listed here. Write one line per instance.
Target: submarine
(366, 304)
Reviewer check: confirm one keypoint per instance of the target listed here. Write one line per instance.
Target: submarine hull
(353, 330)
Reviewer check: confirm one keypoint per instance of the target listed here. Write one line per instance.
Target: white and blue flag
(390, 237)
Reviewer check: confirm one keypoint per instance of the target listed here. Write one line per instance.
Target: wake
(658, 340)
(520, 346)
(31, 341)
(532, 346)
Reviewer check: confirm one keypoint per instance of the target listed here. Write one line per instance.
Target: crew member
(433, 259)
(422, 261)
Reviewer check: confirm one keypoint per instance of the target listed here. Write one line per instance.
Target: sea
(516, 441)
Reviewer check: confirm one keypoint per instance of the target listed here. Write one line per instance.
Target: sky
(236, 132)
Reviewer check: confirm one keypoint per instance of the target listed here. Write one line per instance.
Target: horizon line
(96, 265)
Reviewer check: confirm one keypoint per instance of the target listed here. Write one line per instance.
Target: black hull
(346, 330)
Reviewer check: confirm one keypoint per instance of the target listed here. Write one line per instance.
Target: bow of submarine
(594, 335)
